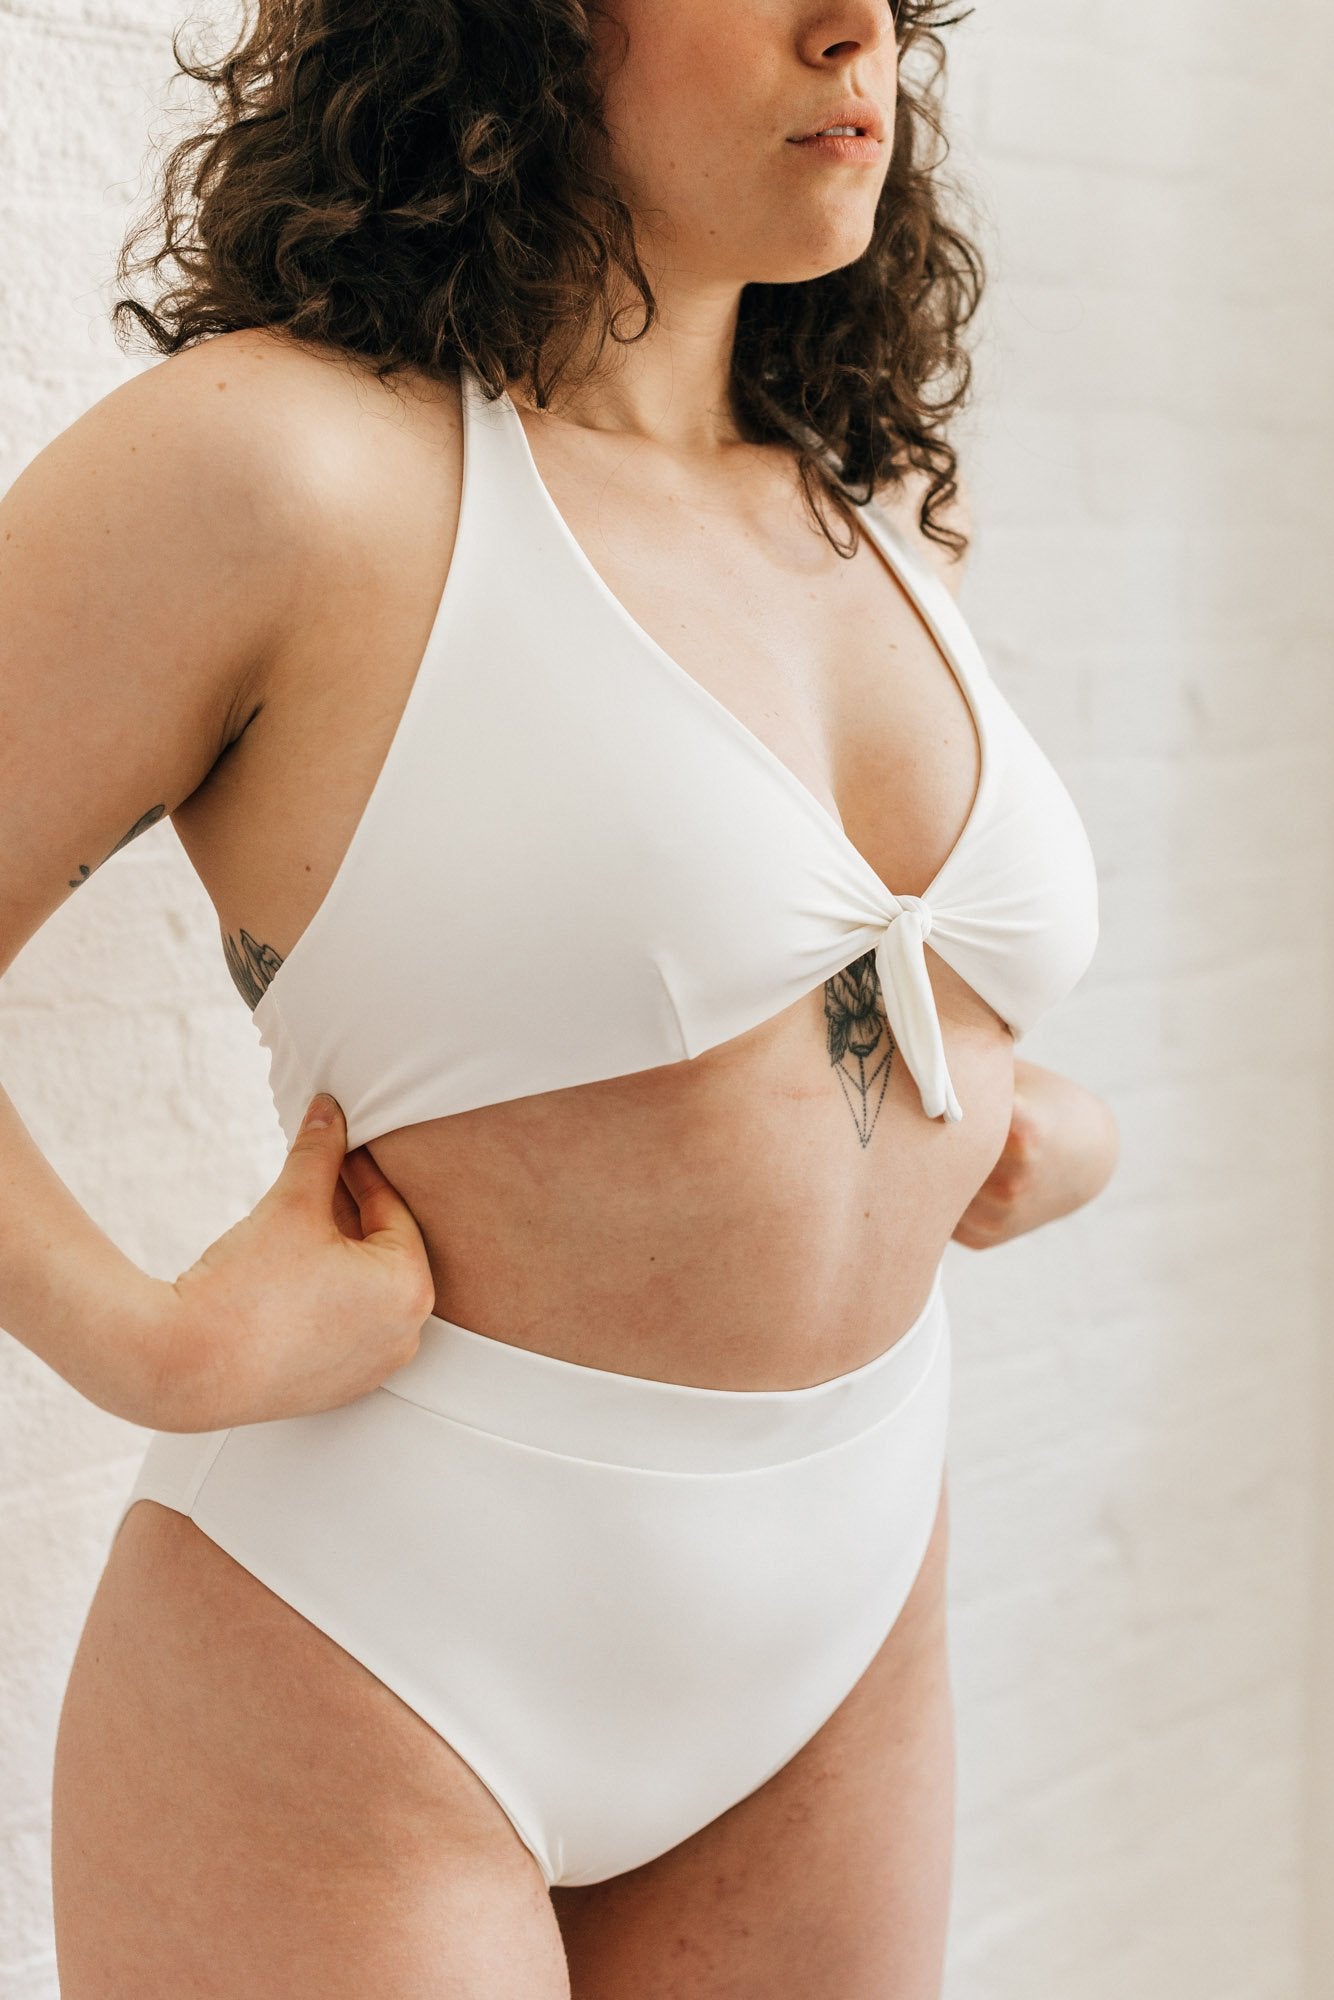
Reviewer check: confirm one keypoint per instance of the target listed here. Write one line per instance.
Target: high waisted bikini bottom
(624, 1603)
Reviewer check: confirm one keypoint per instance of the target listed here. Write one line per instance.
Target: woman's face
(703, 111)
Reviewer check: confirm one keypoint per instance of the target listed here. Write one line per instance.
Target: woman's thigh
(240, 1807)
(832, 1882)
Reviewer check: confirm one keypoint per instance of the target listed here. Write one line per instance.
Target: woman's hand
(309, 1301)
(1061, 1150)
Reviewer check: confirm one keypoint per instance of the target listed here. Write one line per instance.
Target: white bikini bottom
(624, 1603)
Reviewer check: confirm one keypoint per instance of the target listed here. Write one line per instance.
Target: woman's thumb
(316, 1153)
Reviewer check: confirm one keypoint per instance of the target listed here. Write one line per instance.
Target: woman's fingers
(385, 1217)
(346, 1213)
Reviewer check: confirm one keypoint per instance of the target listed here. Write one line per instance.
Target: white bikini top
(576, 863)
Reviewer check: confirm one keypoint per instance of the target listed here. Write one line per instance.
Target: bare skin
(241, 1807)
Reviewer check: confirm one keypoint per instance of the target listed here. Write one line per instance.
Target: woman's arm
(1061, 1151)
(153, 561)
(70, 1295)
(142, 583)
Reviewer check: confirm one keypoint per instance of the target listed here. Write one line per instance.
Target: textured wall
(1136, 1445)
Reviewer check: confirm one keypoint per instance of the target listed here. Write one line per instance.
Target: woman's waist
(530, 1397)
(739, 1295)
(767, 1247)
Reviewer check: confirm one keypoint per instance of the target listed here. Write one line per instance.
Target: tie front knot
(923, 912)
(910, 1006)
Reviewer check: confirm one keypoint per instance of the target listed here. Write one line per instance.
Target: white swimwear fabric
(624, 1603)
(576, 863)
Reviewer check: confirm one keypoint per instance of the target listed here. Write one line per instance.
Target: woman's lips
(840, 145)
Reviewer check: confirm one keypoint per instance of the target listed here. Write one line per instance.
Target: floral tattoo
(861, 1046)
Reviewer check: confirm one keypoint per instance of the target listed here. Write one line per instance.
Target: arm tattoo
(861, 1046)
(251, 965)
(150, 818)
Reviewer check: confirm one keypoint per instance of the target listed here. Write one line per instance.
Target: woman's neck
(673, 386)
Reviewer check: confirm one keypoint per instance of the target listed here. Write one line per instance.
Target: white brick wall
(1144, 1403)
(1137, 1430)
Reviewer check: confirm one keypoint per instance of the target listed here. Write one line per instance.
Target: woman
(536, 1585)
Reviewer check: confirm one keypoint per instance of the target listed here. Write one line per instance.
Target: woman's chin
(815, 257)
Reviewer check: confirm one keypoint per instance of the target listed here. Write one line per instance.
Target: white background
(1143, 1514)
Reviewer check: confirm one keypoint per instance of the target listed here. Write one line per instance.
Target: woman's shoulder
(293, 406)
(339, 462)
(295, 391)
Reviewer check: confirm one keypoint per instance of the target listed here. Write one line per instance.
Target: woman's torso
(753, 1216)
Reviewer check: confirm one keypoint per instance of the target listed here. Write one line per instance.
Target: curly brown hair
(426, 183)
